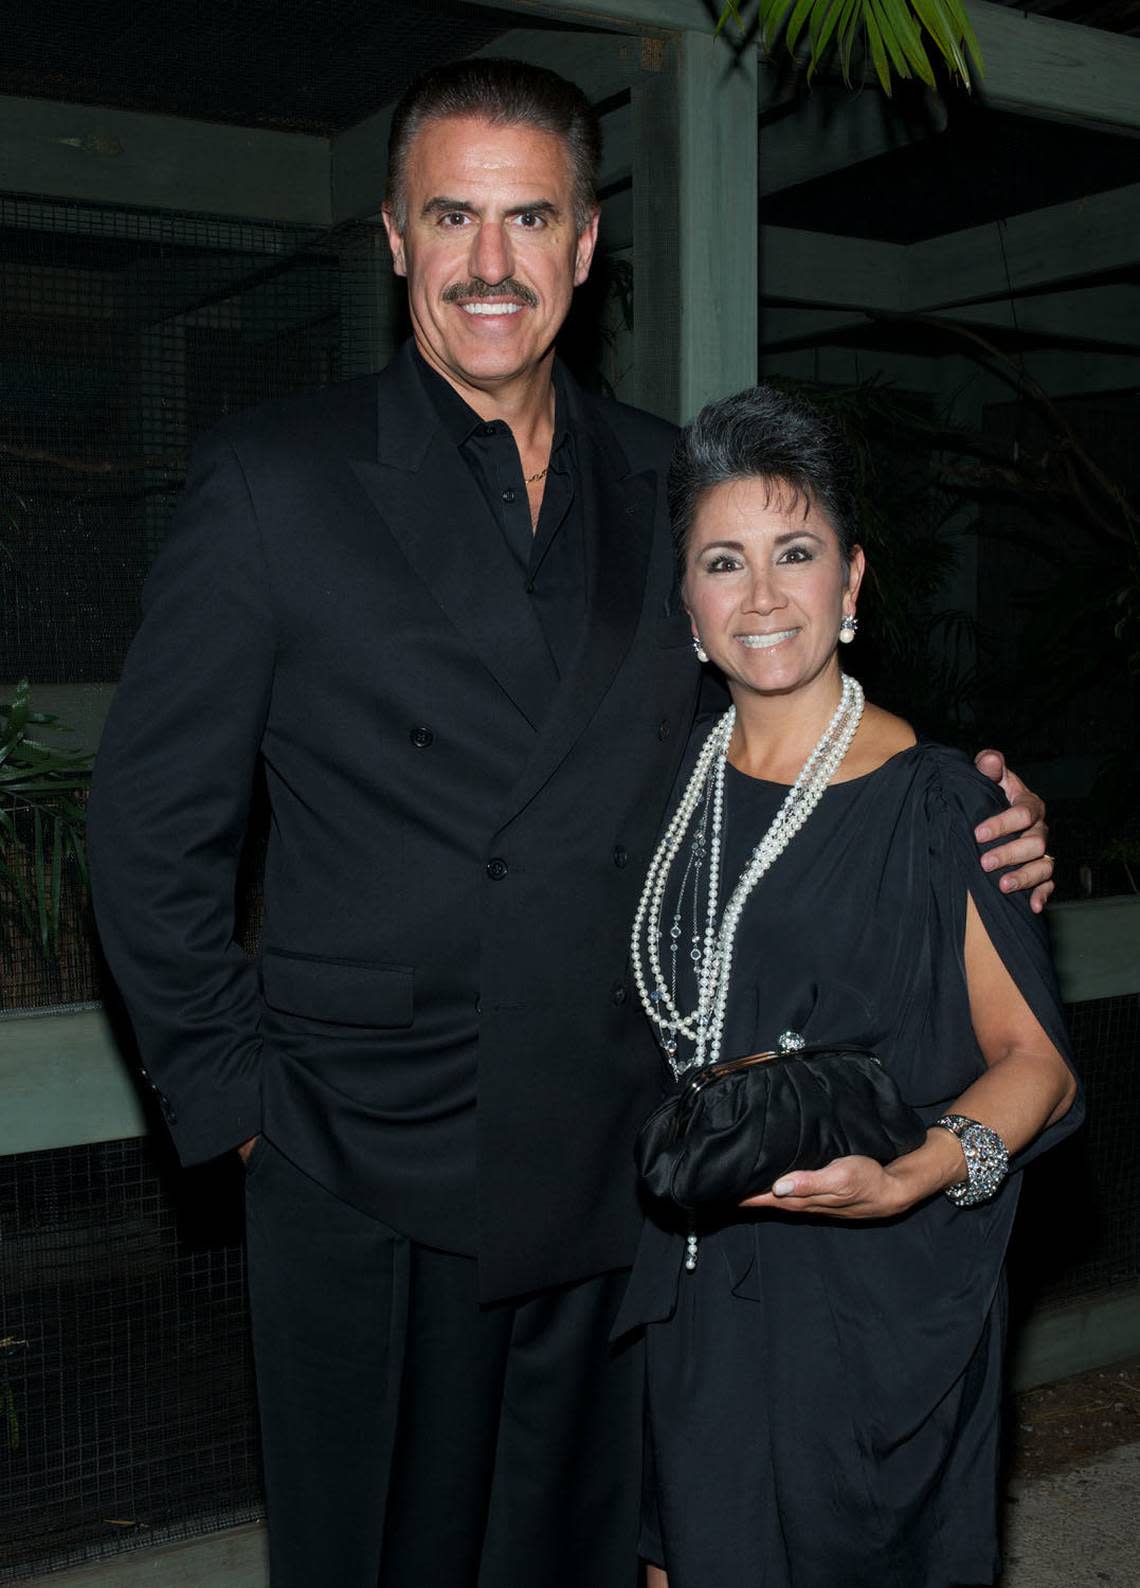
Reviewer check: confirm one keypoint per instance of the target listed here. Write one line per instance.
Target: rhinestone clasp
(789, 1042)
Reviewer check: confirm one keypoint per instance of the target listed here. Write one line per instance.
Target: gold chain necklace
(530, 479)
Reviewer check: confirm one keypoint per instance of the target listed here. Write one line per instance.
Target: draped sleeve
(958, 797)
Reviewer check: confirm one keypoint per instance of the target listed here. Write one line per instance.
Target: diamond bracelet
(987, 1160)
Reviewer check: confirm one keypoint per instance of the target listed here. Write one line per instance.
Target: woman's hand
(860, 1188)
(846, 1188)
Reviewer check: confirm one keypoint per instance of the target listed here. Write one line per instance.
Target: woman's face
(766, 586)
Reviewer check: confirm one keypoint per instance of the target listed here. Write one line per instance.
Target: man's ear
(395, 240)
(587, 242)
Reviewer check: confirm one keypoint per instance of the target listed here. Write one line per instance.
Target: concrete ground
(1076, 1529)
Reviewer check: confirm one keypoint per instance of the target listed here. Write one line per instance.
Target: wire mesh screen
(126, 1400)
(125, 334)
(1078, 1234)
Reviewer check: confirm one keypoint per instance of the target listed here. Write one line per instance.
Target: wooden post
(695, 224)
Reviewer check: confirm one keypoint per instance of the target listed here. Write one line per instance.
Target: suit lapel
(618, 509)
(423, 491)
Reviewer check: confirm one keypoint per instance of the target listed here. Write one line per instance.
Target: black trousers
(412, 1437)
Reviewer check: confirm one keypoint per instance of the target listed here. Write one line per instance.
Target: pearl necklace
(712, 955)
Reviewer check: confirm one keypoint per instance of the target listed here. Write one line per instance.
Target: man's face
(490, 248)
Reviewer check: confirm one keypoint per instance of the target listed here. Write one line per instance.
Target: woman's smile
(765, 642)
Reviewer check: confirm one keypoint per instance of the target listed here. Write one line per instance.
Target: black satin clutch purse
(734, 1128)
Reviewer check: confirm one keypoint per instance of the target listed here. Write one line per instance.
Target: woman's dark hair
(506, 93)
(766, 434)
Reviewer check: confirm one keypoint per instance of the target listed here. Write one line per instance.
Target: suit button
(663, 728)
(621, 855)
(497, 869)
(618, 995)
(421, 737)
(508, 496)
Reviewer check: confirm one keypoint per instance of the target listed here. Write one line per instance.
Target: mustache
(459, 291)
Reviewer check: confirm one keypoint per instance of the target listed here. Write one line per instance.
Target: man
(438, 606)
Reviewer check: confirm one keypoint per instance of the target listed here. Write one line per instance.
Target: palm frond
(895, 34)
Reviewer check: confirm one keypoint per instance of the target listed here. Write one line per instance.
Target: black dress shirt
(550, 557)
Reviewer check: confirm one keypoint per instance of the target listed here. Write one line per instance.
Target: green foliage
(41, 823)
(894, 34)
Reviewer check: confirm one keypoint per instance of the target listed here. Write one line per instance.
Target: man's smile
(491, 308)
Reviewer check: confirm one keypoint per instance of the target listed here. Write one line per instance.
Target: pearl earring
(702, 654)
(847, 627)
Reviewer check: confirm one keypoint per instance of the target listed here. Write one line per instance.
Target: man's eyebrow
(539, 207)
(444, 206)
(441, 205)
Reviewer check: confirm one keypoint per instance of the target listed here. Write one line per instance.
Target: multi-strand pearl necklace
(711, 955)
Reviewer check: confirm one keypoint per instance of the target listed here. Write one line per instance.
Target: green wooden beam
(1041, 248)
(824, 270)
(1060, 71)
(828, 130)
(1096, 947)
(1106, 315)
(1051, 247)
(653, 16)
(1075, 1339)
(64, 1082)
(104, 156)
(717, 220)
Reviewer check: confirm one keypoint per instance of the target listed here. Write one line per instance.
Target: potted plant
(42, 797)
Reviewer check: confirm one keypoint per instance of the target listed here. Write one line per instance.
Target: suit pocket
(338, 991)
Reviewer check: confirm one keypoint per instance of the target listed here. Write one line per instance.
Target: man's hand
(246, 1148)
(1026, 818)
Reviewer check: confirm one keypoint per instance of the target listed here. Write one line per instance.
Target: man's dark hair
(507, 93)
(764, 434)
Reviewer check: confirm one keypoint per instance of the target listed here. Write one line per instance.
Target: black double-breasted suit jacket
(439, 1026)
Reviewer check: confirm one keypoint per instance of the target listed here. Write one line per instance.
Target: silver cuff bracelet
(987, 1160)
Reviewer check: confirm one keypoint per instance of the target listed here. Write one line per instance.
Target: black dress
(824, 1395)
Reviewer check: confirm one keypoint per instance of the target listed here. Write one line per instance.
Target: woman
(824, 1370)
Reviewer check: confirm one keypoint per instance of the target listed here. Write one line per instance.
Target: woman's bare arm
(1026, 1086)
